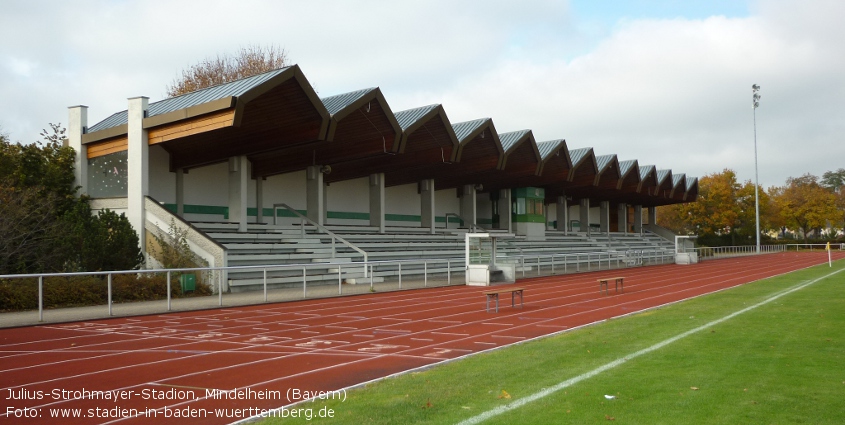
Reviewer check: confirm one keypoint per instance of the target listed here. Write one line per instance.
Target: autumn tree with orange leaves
(724, 208)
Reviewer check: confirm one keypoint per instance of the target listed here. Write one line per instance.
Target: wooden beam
(103, 148)
(192, 126)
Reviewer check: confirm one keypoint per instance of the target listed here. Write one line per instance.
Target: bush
(78, 291)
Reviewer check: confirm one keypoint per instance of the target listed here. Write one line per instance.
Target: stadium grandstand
(262, 171)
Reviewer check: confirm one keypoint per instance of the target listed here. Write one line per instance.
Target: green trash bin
(188, 282)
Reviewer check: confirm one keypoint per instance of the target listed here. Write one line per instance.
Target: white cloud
(675, 93)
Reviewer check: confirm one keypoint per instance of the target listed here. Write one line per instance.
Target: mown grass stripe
(569, 382)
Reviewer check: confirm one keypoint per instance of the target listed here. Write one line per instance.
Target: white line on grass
(572, 381)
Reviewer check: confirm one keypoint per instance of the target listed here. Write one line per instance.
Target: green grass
(781, 363)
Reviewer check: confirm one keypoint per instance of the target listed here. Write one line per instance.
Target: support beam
(77, 124)
(562, 213)
(377, 201)
(238, 181)
(638, 219)
(652, 215)
(180, 192)
(505, 219)
(259, 200)
(315, 196)
(427, 204)
(604, 217)
(138, 167)
(468, 208)
(622, 217)
(584, 213)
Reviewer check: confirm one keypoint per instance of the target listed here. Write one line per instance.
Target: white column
(259, 200)
(427, 204)
(562, 211)
(652, 215)
(77, 123)
(238, 181)
(138, 167)
(377, 201)
(638, 218)
(315, 196)
(180, 192)
(622, 217)
(468, 211)
(604, 216)
(584, 212)
(505, 201)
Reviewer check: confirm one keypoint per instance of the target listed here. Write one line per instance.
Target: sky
(665, 82)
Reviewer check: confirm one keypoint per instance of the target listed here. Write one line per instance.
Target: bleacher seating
(264, 244)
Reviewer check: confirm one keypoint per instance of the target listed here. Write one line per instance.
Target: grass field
(782, 362)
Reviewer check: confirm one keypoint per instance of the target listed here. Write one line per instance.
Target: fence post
(339, 279)
(109, 294)
(425, 273)
(265, 284)
(220, 288)
(448, 272)
(304, 289)
(40, 298)
(400, 275)
(168, 290)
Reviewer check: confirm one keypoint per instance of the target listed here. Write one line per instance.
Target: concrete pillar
(377, 201)
(77, 124)
(652, 215)
(562, 213)
(468, 210)
(238, 183)
(138, 167)
(180, 192)
(604, 217)
(505, 201)
(584, 212)
(638, 218)
(259, 200)
(427, 204)
(315, 196)
(622, 217)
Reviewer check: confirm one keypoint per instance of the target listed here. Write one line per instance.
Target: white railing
(815, 246)
(707, 253)
(313, 283)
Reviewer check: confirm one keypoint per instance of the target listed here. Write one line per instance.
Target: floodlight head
(755, 87)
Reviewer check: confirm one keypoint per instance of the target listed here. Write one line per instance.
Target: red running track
(129, 370)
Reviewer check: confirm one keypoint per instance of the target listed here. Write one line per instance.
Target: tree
(804, 204)
(249, 61)
(44, 226)
(724, 208)
(833, 180)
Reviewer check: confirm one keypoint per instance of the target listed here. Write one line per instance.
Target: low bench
(494, 294)
(619, 282)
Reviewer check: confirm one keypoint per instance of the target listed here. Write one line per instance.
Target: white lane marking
(572, 381)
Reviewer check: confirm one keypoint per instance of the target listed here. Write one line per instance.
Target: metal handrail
(304, 219)
(472, 227)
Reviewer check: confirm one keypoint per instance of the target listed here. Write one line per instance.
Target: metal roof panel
(548, 147)
(187, 100)
(511, 138)
(625, 166)
(464, 129)
(408, 117)
(578, 154)
(604, 160)
(337, 103)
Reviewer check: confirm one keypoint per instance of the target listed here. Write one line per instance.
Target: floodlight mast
(755, 102)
